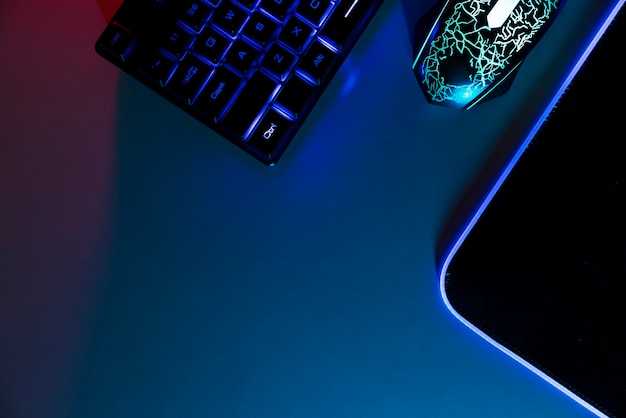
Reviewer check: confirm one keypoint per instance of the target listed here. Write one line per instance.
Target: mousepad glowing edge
(460, 305)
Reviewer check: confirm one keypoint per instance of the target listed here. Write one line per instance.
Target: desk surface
(149, 268)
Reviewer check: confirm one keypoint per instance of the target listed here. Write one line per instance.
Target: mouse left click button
(118, 40)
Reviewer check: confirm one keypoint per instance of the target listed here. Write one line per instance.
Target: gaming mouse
(471, 49)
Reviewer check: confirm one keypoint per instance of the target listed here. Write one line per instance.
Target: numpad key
(251, 70)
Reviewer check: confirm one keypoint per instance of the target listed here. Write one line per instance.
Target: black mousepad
(541, 273)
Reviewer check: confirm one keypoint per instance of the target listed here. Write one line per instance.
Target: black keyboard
(249, 69)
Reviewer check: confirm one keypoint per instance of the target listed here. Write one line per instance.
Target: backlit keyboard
(249, 69)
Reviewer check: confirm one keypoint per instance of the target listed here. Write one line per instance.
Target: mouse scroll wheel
(501, 12)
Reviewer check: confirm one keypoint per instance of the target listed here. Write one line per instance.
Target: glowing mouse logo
(476, 44)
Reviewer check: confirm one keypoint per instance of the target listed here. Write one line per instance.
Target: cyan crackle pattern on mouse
(477, 45)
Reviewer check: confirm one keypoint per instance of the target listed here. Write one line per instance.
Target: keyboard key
(317, 61)
(217, 93)
(155, 65)
(269, 132)
(242, 56)
(248, 4)
(296, 33)
(176, 41)
(277, 8)
(211, 45)
(188, 78)
(229, 17)
(249, 104)
(260, 28)
(194, 13)
(313, 10)
(118, 40)
(345, 21)
(294, 95)
(278, 61)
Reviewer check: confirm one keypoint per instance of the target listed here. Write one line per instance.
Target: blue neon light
(478, 44)
(465, 232)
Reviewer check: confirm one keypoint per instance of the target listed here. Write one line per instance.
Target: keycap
(317, 61)
(269, 132)
(229, 17)
(176, 40)
(211, 45)
(260, 28)
(248, 4)
(217, 93)
(278, 61)
(242, 55)
(294, 95)
(194, 13)
(296, 33)
(155, 65)
(249, 104)
(277, 8)
(313, 10)
(118, 40)
(189, 77)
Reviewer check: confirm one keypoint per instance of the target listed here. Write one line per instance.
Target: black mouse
(471, 49)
